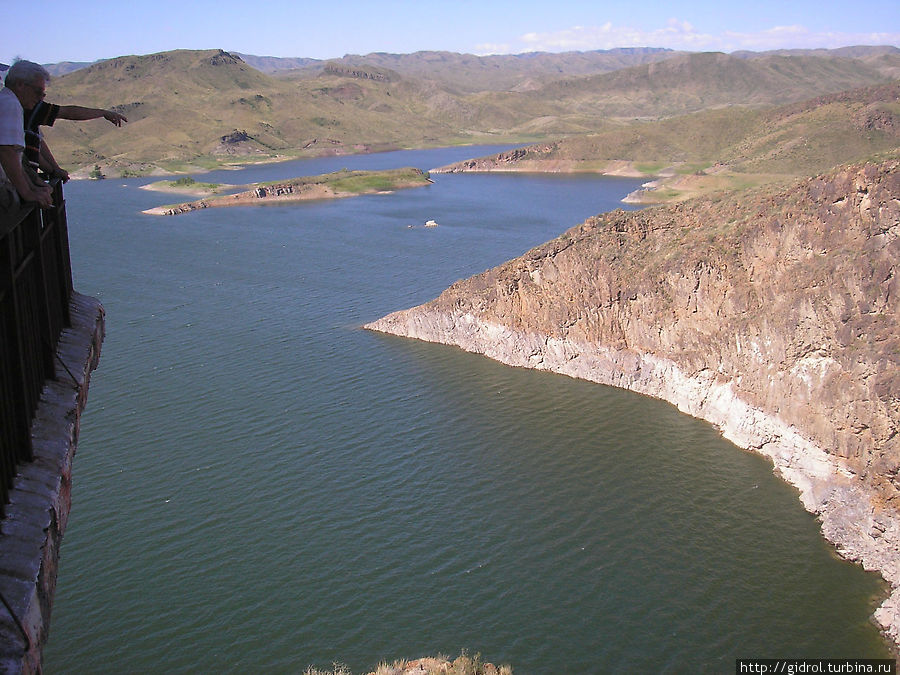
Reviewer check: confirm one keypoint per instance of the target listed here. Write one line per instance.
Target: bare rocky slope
(775, 315)
(190, 109)
(797, 139)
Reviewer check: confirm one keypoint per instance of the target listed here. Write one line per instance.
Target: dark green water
(261, 485)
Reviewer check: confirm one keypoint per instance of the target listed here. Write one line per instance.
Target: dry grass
(182, 104)
(440, 665)
(336, 669)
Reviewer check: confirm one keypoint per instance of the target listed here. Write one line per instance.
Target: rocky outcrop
(239, 142)
(516, 159)
(358, 72)
(543, 158)
(236, 136)
(462, 665)
(223, 58)
(774, 315)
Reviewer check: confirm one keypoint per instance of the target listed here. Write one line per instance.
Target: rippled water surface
(261, 485)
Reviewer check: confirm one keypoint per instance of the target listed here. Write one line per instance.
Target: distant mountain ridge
(183, 104)
(852, 52)
(467, 73)
(63, 67)
(413, 63)
(690, 82)
(572, 63)
(274, 64)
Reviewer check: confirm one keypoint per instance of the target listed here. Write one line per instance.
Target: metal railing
(35, 289)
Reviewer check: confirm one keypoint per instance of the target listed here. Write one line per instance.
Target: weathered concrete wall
(40, 500)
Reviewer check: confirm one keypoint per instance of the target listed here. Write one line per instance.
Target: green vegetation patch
(650, 168)
(660, 195)
(377, 181)
(693, 168)
(186, 182)
(358, 182)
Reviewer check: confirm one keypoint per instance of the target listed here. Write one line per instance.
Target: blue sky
(87, 30)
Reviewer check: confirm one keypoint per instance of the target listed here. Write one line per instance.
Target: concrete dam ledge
(849, 516)
(41, 496)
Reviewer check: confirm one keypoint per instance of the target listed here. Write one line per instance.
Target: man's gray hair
(26, 72)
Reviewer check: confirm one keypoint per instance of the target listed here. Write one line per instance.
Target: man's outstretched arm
(80, 113)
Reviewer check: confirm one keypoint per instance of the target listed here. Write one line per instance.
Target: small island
(333, 185)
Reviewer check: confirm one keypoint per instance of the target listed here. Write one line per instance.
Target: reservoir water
(261, 485)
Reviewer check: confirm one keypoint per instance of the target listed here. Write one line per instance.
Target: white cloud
(680, 34)
(489, 48)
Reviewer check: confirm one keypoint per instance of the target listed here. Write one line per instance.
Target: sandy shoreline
(242, 199)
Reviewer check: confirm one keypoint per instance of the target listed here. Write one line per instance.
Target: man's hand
(43, 195)
(80, 113)
(114, 117)
(59, 172)
(29, 190)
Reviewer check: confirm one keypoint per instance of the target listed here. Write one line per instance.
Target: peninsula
(774, 315)
(334, 185)
(711, 150)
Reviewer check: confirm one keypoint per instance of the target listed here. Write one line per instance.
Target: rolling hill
(195, 109)
(188, 106)
(725, 147)
(692, 82)
(467, 73)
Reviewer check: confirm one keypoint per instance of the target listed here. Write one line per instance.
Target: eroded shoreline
(848, 514)
(773, 317)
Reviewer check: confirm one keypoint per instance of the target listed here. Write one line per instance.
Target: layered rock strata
(774, 315)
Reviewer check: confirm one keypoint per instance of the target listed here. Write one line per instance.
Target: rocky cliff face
(774, 315)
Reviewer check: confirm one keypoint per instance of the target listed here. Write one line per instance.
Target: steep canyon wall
(773, 315)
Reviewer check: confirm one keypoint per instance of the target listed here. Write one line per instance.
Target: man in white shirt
(25, 88)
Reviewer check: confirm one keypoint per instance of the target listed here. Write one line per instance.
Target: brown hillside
(725, 147)
(203, 107)
(693, 82)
